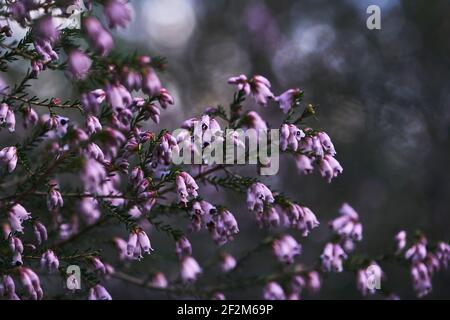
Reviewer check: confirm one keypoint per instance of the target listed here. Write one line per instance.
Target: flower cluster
(258, 86)
(220, 223)
(317, 148)
(293, 291)
(300, 218)
(347, 226)
(259, 196)
(286, 248)
(349, 229)
(333, 257)
(189, 269)
(423, 261)
(186, 186)
(138, 244)
(367, 278)
(64, 180)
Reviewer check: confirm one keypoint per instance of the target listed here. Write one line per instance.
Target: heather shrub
(73, 170)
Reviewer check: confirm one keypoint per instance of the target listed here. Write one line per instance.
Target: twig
(49, 105)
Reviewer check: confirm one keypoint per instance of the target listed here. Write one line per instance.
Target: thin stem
(87, 195)
(18, 198)
(145, 284)
(43, 104)
(27, 55)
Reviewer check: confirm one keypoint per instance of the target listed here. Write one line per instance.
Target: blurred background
(382, 95)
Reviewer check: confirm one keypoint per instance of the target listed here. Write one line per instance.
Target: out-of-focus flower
(421, 279)
(49, 261)
(46, 55)
(315, 148)
(91, 100)
(186, 186)
(443, 253)
(432, 262)
(20, 11)
(98, 265)
(366, 279)
(45, 35)
(190, 269)
(159, 280)
(78, 64)
(218, 296)
(288, 99)
(304, 164)
(269, 218)
(99, 38)
(301, 218)
(16, 247)
(31, 283)
(151, 84)
(94, 151)
(40, 232)
(151, 111)
(297, 285)
(164, 98)
(66, 230)
(6, 231)
(131, 78)
(332, 257)
(37, 65)
(313, 282)
(118, 96)
(228, 262)
(58, 124)
(45, 29)
(335, 166)
(183, 247)
(254, 121)
(260, 88)
(418, 251)
(223, 227)
(286, 249)
(241, 83)
(89, 208)
(30, 117)
(7, 117)
(347, 225)
(121, 246)
(400, 241)
(8, 157)
(9, 288)
(6, 30)
(54, 198)
(98, 292)
(325, 170)
(4, 87)
(273, 291)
